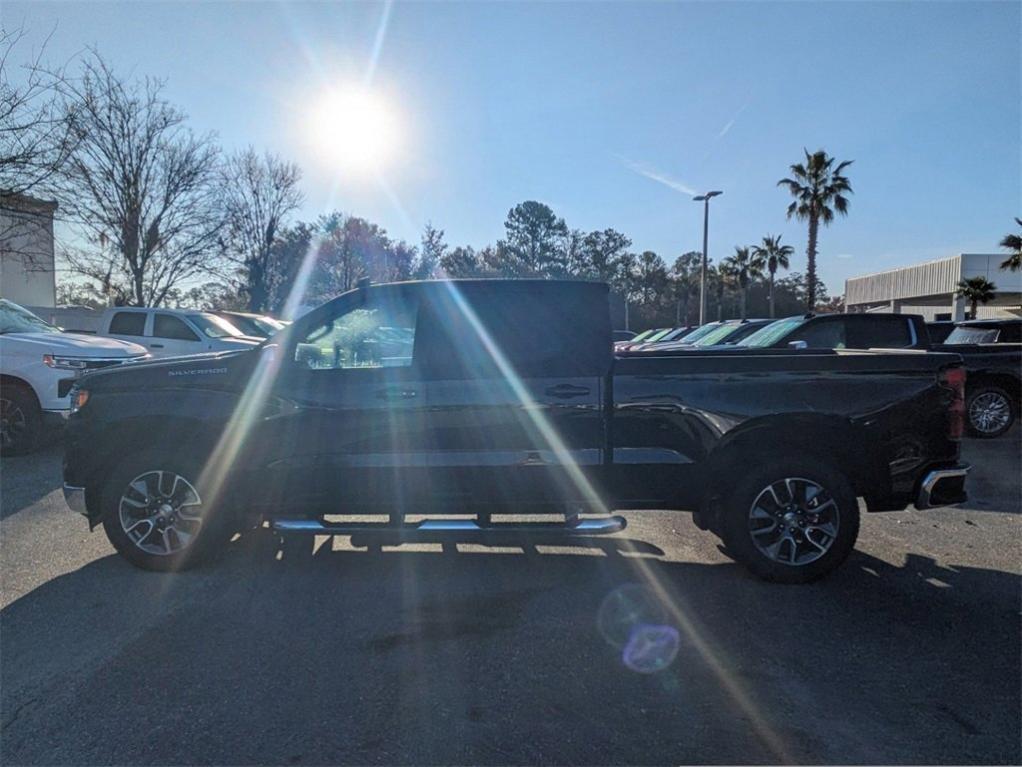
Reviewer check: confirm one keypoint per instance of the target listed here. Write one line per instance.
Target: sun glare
(355, 130)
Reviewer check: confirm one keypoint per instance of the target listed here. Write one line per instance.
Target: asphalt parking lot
(459, 655)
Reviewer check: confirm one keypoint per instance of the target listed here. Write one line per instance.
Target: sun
(355, 130)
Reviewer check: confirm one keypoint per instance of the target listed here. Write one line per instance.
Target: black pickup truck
(992, 353)
(455, 397)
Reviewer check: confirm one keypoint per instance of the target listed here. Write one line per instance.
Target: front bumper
(75, 498)
(942, 487)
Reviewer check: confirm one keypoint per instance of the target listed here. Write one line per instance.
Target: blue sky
(585, 106)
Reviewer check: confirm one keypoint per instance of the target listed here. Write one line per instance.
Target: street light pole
(705, 199)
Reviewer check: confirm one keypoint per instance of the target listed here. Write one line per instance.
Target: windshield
(15, 319)
(715, 336)
(772, 333)
(675, 335)
(641, 336)
(213, 326)
(658, 335)
(965, 334)
(267, 325)
(700, 332)
(264, 327)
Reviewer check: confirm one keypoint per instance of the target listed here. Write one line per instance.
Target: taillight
(954, 379)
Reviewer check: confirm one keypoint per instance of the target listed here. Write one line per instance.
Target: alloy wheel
(12, 422)
(989, 412)
(160, 512)
(794, 521)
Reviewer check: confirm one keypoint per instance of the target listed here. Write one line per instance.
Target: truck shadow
(28, 478)
(599, 652)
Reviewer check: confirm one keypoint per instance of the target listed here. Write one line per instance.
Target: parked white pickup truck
(164, 332)
(38, 365)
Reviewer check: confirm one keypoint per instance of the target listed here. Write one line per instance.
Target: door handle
(396, 394)
(566, 391)
(155, 346)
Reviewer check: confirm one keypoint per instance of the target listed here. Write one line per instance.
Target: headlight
(64, 363)
(78, 398)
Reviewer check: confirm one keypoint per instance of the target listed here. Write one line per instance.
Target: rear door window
(1010, 334)
(880, 333)
(169, 326)
(128, 324)
(531, 328)
(828, 334)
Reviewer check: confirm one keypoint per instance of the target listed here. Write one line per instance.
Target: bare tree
(36, 135)
(140, 185)
(258, 193)
(35, 141)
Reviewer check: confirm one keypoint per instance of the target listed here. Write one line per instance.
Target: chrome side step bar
(438, 528)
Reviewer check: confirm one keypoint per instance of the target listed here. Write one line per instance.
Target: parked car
(164, 332)
(723, 333)
(644, 337)
(253, 325)
(992, 350)
(659, 336)
(843, 331)
(675, 334)
(483, 411)
(693, 335)
(38, 365)
(939, 330)
(622, 336)
(729, 332)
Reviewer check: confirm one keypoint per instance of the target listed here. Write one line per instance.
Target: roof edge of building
(909, 266)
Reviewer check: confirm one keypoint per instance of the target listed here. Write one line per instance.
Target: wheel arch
(6, 379)
(134, 435)
(1012, 385)
(830, 438)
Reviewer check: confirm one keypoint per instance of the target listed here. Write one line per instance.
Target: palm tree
(1013, 244)
(721, 277)
(746, 265)
(976, 290)
(775, 256)
(819, 190)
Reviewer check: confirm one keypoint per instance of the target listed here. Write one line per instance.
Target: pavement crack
(17, 712)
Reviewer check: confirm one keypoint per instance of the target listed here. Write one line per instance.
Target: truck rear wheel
(991, 411)
(791, 521)
(157, 514)
(20, 420)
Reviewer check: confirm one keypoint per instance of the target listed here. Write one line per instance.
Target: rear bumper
(942, 487)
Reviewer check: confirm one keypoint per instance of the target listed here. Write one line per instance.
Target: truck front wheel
(790, 521)
(20, 420)
(157, 513)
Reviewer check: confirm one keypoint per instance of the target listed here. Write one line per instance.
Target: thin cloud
(730, 123)
(653, 174)
(844, 255)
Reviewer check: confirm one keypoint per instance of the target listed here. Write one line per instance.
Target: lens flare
(354, 130)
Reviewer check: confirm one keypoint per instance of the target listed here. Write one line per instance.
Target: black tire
(989, 410)
(21, 420)
(738, 519)
(121, 494)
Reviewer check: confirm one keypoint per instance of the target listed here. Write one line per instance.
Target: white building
(929, 288)
(27, 274)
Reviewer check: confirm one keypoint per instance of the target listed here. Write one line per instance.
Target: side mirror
(797, 345)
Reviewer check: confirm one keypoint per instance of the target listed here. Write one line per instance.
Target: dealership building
(929, 288)
(27, 274)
